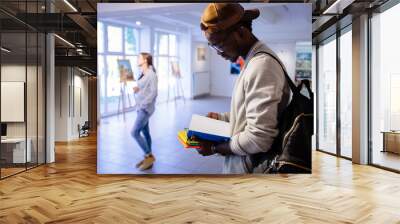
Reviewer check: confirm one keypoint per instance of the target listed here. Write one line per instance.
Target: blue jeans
(142, 126)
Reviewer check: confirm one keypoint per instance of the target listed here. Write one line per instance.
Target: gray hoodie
(260, 94)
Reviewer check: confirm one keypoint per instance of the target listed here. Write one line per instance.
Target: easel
(178, 88)
(126, 75)
(121, 99)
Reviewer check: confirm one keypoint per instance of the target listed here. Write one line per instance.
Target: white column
(314, 89)
(50, 99)
(360, 90)
(50, 92)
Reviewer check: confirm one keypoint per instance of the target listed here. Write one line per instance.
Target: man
(260, 93)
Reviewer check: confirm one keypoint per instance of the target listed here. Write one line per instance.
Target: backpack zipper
(296, 121)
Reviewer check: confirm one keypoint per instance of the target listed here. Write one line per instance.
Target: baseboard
(201, 95)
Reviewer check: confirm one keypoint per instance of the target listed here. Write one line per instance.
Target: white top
(259, 96)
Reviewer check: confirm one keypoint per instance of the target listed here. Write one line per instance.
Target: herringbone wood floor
(70, 191)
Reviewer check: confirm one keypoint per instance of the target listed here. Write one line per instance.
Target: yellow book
(183, 143)
(187, 143)
(183, 135)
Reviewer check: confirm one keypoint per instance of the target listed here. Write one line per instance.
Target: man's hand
(205, 148)
(135, 89)
(213, 115)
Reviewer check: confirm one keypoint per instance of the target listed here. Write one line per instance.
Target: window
(385, 88)
(346, 94)
(131, 41)
(122, 43)
(100, 36)
(165, 52)
(327, 96)
(101, 82)
(114, 40)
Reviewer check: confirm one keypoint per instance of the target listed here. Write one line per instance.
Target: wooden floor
(70, 191)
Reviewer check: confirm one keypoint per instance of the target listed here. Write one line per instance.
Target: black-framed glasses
(218, 46)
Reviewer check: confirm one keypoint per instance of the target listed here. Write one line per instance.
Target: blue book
(209, 129)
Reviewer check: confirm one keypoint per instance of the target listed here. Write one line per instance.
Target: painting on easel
(125, 71)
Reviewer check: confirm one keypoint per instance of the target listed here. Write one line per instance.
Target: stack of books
(204, 128)
(186, 141)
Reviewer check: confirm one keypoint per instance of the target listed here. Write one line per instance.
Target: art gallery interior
(64, 124)
(171, 33)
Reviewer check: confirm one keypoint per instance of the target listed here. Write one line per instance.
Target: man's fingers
(212, 115)
(200, 151)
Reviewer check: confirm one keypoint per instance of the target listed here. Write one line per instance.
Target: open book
(209, 129)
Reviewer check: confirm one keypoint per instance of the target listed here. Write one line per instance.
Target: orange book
(185, 145)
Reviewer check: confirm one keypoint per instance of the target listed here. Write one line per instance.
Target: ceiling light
(138, 23)
(5, 50)
(86, 72)
(337, 7)
(331, 7)
(70, 5)
(64, 40)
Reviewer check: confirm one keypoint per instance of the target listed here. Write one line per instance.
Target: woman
(145, 95)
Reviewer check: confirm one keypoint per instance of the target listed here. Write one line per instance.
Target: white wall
(33, 126)
(12, 73)
(62, 81)
(69, 82)
(78, 117)
(287, 53)
(222, 82)
(185, 52)
(200, 69)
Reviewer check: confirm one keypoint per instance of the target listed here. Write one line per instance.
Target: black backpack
(291, 149)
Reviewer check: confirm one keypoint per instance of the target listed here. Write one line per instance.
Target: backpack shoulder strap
(288, 80)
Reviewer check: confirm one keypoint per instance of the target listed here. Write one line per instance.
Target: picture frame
(201, 53)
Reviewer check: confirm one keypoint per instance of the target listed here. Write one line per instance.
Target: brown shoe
(147, 163)
(139, 164)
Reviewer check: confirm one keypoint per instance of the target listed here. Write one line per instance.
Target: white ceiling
(277, 22)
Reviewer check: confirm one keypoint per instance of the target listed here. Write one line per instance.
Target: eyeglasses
(218, 46)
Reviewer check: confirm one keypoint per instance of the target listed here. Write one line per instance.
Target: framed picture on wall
(201, 53)
(303, 61)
